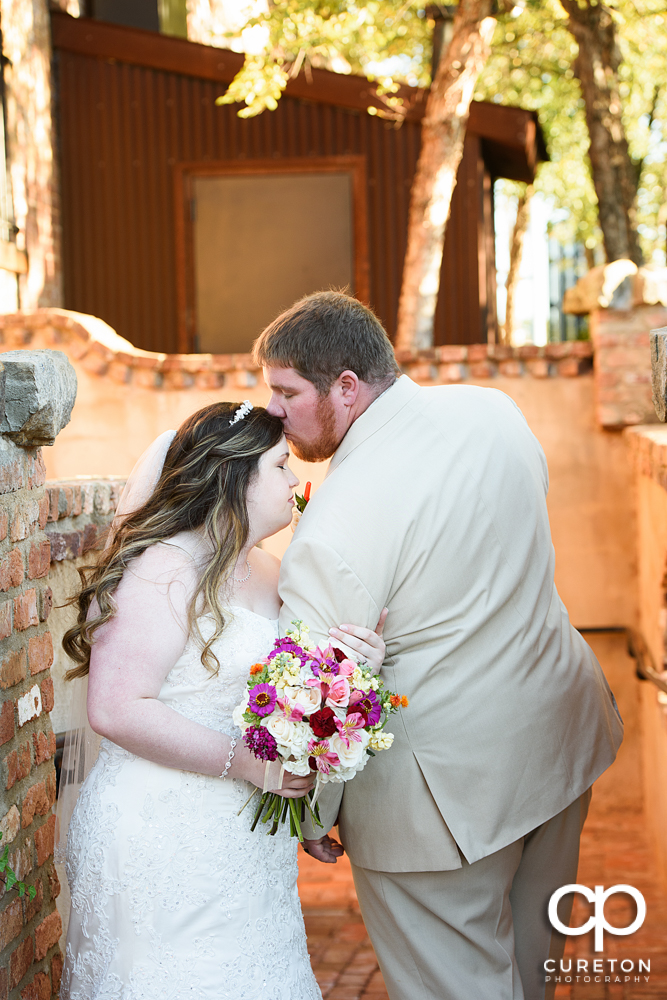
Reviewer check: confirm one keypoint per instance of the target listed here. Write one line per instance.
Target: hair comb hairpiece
(245, 408)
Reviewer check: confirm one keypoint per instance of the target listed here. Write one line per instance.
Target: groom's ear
(347, 387)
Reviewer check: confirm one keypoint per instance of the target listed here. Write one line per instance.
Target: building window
(258, 238)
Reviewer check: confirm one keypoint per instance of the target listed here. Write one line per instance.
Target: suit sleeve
(320, 589)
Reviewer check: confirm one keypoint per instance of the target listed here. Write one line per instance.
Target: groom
(434, 505)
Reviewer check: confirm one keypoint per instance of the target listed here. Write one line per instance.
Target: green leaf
(32, 892)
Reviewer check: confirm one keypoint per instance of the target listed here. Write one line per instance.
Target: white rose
(307, 699)
(237, 714)
(349, 756)
(291, 735)
(300, 767)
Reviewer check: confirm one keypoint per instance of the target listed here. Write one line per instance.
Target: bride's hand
(248, 767)
(367, 643)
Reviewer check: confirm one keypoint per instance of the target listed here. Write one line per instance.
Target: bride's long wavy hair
(203, 484)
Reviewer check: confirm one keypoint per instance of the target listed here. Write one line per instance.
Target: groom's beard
(325, 444)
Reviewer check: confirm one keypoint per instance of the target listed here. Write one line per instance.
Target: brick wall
(37, 391)
(623, 364)
(80, 512)
(30, 961)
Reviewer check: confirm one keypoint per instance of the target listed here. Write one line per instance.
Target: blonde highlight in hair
(203, 485)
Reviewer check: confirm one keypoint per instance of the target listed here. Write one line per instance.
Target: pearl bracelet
(229, 759)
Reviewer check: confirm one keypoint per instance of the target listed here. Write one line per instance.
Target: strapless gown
(172, 895)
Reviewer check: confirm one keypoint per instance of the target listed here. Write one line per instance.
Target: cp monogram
(598, 897)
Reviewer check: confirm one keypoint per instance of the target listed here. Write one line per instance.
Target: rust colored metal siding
(123, 128)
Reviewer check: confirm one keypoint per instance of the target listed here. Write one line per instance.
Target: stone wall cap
(104, 354)
(40, 390)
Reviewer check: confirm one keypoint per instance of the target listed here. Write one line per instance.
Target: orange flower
(256, 668)
(404, 701)
(395, 700)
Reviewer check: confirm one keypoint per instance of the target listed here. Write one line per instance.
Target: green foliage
(530, 65)
(347, 37)
(11, 879)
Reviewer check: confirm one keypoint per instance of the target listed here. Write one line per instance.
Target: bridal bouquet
(314, 710)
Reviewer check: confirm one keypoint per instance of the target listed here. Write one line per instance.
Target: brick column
(32, 385)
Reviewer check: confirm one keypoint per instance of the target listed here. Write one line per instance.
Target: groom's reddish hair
(325, 334)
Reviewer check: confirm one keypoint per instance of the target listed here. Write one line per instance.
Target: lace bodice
(193, 690)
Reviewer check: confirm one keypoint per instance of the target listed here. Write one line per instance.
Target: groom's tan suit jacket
(435, 506)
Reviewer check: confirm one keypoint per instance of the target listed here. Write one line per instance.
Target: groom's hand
(325, 849)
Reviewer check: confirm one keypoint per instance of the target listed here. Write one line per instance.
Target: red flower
(323, 723)
(339, 654)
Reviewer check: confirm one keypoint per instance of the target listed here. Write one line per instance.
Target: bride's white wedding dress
(172, 895)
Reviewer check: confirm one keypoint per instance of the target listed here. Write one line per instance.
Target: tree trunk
(615, 176)
(443, 133)
(516, 253)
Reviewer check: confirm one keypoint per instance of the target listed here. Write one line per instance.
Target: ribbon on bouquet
(319, 785)
(266, 777)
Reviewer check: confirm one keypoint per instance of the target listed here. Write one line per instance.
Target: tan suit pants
(480, 932)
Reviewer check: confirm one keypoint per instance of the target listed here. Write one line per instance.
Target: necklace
(246, 577)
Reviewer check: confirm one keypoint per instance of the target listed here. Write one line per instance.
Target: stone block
(33, 906)
(25, 610)
(659, 371)
(40, 390)
(452, 373)
(538, 367)
(20, 962)
(13, 669)
(45, 603)
(511, 368)
(10, 824)
(29, 706)
(38, 989)
(44, 841)
(56, 973)
(482, 369)
(35, 802)
(54, 884)
(39, 559)
(40, 653)
(17, 765)
(478, 352)
(450, 353)
(44, 746)
(6, 619)
(47, 694)
(7, 726)
(11, 923)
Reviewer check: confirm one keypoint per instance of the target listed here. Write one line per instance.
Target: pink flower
(292, 712)
(339, 693)
(313, 682)
(348, 728)
(321, 756)
(346, 668)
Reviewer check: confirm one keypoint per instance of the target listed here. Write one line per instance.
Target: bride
(172, 894)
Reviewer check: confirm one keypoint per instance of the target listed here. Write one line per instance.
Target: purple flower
(324, 662)
(288, 645)
(262, 700)
(260, 742)
(368, 704)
